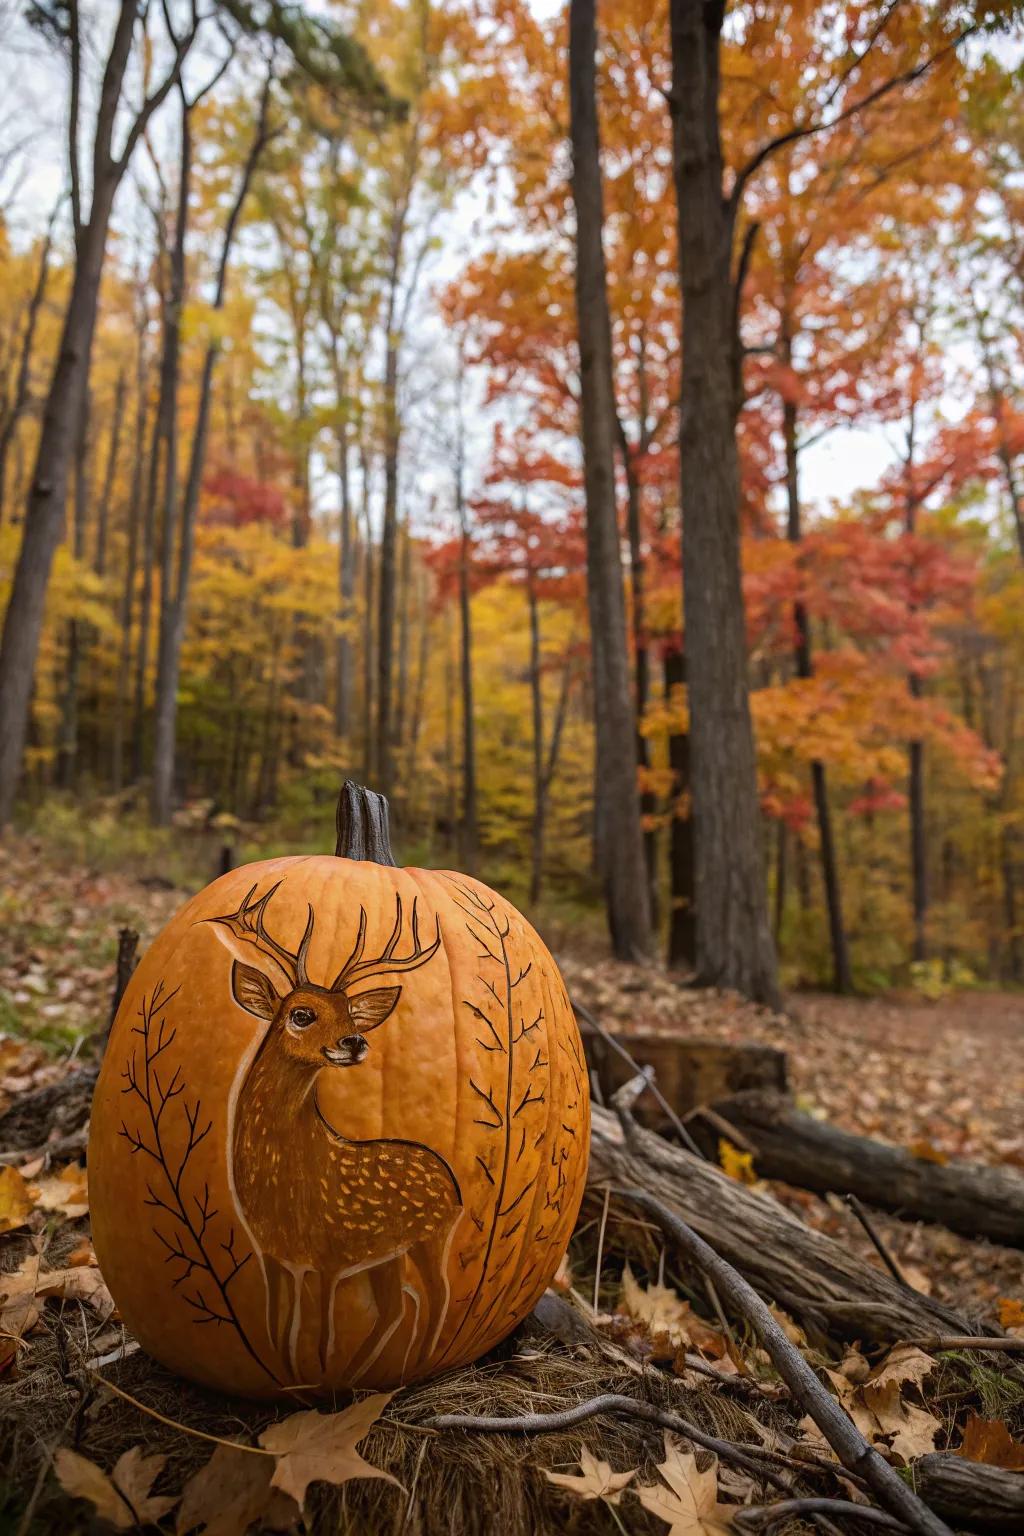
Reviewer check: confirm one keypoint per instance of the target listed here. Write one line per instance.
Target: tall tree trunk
(109, 478)
(369, 670)
(386, 559)
(734, 942)
(67, 751)
(162, 432)
(404, 589)
(842, 978)
(131, 557)
(641, 658)
(915, 750)
(537, 720)
(470, 849)
(682, 924)
(18, 403)
(346, 586)
(623, 869)
(160, 789)
(419, 693)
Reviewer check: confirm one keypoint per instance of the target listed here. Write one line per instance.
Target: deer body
(316, 1203)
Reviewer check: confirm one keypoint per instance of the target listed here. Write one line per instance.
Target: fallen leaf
(230, 1493)
(66, 1192)
(16, 1200)
(910, 1431)
(903, 1364)
(1011, 1313)
(736, 1164)
(989, 1441)
(19, 1306)
(80, 1283)
(597, 1480)
(123, 1498)
(84, 1254)
(321, 1447)
(689, 1504)
(662, 1311)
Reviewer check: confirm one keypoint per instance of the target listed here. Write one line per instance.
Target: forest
(324, 507)
(589, 440)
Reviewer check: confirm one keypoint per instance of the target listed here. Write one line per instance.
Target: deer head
(316, 1024)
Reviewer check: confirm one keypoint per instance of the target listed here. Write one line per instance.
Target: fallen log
(967, 1198)
(976, 1497)
(830, 1291)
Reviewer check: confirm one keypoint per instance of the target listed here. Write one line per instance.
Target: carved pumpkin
(340, 1133)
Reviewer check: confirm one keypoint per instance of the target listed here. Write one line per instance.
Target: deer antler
(387, 962)
(247, 923)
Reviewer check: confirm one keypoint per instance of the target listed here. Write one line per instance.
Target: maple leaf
(80, 1283)
(321, 1447)
(989, 1441)
(19, 1306)
(597, 1480)
(231, 1492)
(903, 1364)
(16, 1200)
(662, 1311)
(689, 1503)
(910, 1431)
(66, 1192)
(123, 1497)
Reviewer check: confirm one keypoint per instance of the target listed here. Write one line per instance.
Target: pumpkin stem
(363, 830)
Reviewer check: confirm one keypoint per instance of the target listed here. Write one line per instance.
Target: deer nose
(353, 1048)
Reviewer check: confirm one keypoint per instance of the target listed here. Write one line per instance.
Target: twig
(186, 1429)
(762, 1517)
(839, 1430)
(127, 945)
(749, 1457)
(1008, 1346)
(600, 1246)
(656, 1093)
(879, 1247)
(724, 1127)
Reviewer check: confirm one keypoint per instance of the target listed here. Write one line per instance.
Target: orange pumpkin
(340, 1133)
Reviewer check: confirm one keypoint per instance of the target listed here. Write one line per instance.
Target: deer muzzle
(348, 1052)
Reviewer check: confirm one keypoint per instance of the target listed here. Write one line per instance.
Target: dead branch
(761, 1517)
(752, 1458)
(839, 1430)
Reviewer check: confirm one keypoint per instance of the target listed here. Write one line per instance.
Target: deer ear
(371, 1008)
(253, 991)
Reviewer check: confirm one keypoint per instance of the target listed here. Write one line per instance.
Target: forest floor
(945, 1078)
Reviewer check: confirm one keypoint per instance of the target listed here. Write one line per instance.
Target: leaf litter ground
(78, 1457)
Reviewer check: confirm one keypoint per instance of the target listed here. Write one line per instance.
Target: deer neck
(277, 1089)
(280, 1095)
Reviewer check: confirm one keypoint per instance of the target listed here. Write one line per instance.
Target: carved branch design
(188, 1241)
(510, 1083)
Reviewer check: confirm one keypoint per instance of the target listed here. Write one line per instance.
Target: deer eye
(302, 1017)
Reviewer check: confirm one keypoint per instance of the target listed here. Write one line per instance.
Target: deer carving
(316, 1203)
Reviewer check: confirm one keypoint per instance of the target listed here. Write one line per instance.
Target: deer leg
(389, 1302)
(431, 1260)
(328, 1291)
(278, 1284)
